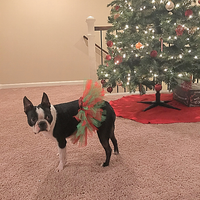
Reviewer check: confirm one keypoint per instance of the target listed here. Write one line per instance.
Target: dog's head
(40, 117)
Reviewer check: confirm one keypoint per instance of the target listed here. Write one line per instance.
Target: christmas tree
(150, 42)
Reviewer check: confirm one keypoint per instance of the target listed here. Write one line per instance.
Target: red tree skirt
(127, 107)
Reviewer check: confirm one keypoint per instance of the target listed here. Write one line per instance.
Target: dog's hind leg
(105, 143)
(114, 141)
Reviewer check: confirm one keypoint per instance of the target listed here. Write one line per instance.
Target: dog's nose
(42, 125)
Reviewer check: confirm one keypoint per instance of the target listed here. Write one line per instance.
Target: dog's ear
(45, 101)
(27, 104)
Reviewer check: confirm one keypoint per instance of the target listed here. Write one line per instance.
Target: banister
(102, 28)
(85, 37)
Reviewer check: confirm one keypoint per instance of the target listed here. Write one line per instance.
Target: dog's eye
(48, 118)
(33, 120)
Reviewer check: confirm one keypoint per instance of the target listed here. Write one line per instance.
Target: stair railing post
(91, 48)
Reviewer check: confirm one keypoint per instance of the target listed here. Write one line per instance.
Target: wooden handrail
(96, 45)
(102, 28)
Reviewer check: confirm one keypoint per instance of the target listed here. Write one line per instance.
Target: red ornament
(103, 81)
(109, 43)
(188, 12)
(118, 59)
(108, 57)
(117, 8)
(198, 2)
(179, 30)
(158, 87)
(119, 84)
(110, 89)
(153, 53)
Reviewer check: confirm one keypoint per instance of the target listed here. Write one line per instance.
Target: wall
(42, 40)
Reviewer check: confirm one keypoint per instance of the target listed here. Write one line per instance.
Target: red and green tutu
(90, 114)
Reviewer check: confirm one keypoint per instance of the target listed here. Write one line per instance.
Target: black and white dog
(59, 121)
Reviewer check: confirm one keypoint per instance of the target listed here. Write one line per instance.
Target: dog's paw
(60, 167)
(104, 164)
(116, 153)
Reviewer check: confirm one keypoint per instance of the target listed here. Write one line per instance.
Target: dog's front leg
(62, 159)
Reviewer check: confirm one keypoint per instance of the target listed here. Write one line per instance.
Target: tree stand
(158, 87)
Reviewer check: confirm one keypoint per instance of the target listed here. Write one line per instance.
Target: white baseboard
(40, 84)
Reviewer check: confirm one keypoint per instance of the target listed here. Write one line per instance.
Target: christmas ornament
(188, 12)
(191, 31)
(158, 87)
(117, 8)
(179, 30)
(153, 53)
(116, 16)
(169, 6)
(103, 82)
(198, 2)
(119, 83)
(110, 89)
(109, 43)
(118, 59)
(108, 57)
(138, 45)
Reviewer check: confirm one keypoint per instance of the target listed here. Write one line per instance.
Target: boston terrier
(58, 121)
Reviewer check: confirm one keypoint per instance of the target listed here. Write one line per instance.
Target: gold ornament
(191, 31)
(116, 16)
(169, 6)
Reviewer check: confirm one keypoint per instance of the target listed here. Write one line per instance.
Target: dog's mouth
(44, 130)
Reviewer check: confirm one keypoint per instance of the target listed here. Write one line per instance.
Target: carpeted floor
(156, 162)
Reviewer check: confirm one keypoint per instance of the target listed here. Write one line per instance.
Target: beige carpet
(156, 162)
